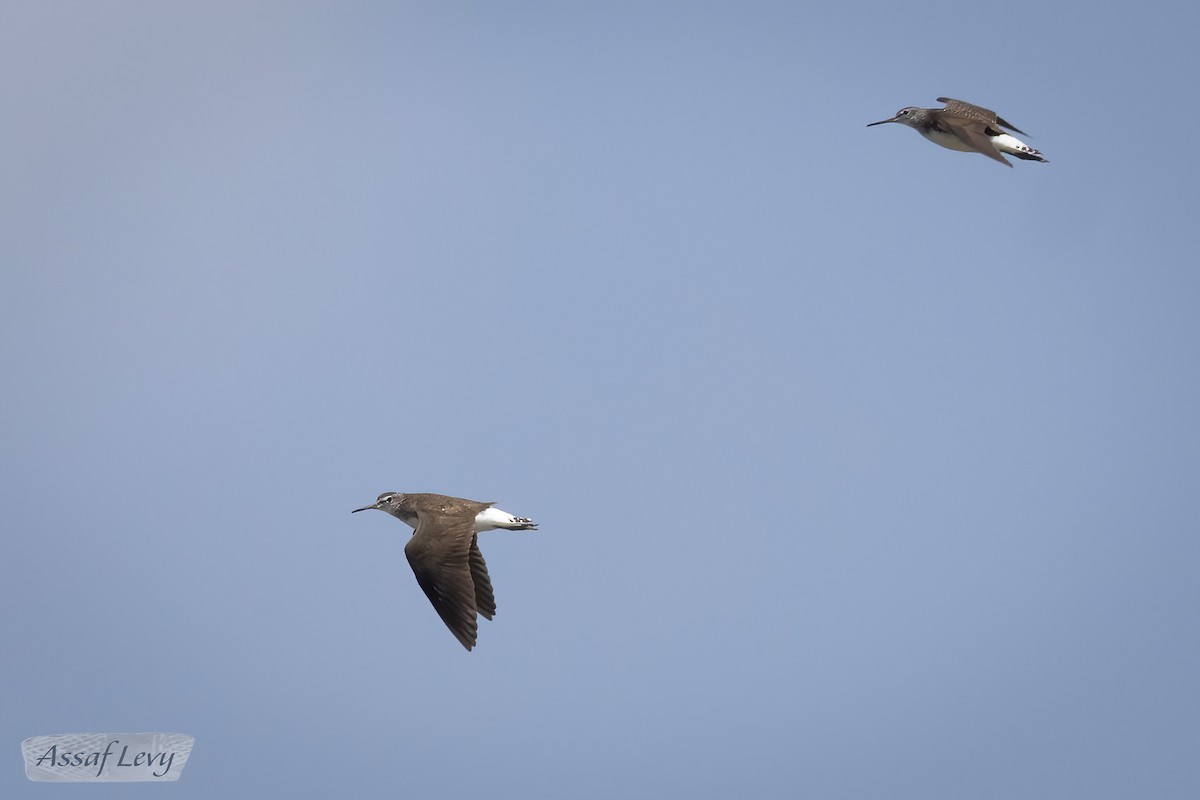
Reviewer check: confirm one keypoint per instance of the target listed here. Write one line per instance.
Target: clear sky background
(864, 468)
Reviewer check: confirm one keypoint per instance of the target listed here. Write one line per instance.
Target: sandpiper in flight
(966, 127)
(444, 553)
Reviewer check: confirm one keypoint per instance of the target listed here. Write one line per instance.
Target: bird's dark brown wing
(974, 134)
(440, 556)
(485, 601)
(972, 111)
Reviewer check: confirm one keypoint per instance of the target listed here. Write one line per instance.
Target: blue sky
(864, 468)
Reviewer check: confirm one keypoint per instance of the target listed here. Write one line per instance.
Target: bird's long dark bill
(364, 508)
(893, 119)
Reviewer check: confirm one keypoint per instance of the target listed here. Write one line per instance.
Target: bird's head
(388, 501)
(909, 115)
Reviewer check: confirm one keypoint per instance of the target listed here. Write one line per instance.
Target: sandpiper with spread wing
(444, 553)
(968, 128)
